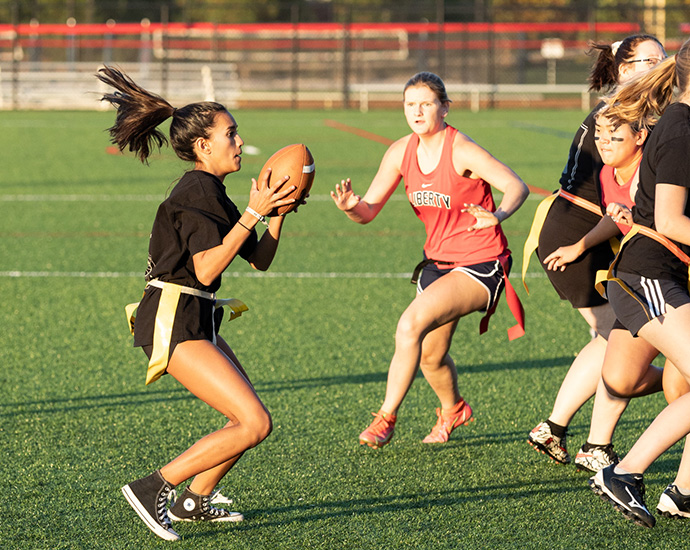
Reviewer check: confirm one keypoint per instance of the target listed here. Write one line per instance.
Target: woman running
(648, 282)
(566, 223)
(448, 179)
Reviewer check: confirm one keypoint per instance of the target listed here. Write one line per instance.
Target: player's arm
(564, 255)
(470, 157)
(210, 264)
(669, 212)
(363, 210)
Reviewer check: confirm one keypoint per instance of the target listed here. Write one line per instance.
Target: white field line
(160, 198)
(16, 274)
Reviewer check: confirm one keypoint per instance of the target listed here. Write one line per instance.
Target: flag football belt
(532, 241)
(165, 318)
(607, 275)
(512, 298)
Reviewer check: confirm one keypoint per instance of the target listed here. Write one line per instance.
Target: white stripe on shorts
(654, 296)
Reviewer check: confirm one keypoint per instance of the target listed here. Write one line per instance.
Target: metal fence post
(346, 57)
(294, 66)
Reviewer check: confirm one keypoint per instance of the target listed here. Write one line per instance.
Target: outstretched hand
(344, 198)
(264, 198)
(484, 217)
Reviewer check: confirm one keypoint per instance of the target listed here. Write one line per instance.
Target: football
(297, 162)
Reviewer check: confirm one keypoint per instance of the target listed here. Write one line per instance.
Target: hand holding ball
(297, 162)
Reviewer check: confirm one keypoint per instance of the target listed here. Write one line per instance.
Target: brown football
(297, 162)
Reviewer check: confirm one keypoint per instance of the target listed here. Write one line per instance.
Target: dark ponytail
(605, 72)
(140, 112)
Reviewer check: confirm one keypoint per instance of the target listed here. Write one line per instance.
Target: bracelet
(238, 221)
(258, 216)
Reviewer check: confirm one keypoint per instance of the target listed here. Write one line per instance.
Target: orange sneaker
(380, 431)
(447, 421)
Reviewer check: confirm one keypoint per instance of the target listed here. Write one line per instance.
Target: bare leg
(674, 383)
(580, 382)
(669, 335)
(626, 373)
(447, 299)
(209, 374)
(438, 366)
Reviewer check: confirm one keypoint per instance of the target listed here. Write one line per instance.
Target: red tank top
(612, 192)
(438, 199)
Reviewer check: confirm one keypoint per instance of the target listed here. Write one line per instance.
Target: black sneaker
(149, 496)
(193, 507)
(673, 504)
(625, 492)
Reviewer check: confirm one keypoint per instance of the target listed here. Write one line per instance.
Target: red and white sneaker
(460, 414)
(380, 431)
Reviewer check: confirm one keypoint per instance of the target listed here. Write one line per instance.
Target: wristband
(244, 226)
(258, 216)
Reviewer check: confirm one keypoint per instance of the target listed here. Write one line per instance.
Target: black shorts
(488, 274)
(565, 224)
(649, 300)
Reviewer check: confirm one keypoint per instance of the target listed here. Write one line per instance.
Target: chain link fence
(314, 54)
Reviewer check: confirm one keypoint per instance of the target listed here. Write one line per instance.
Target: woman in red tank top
(433, 181)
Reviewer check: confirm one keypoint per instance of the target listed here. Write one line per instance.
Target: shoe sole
(543, 450)
(375, 444)
(233, 518)
(668, 508)
(605, 495)
(151, 523)
(465, 423)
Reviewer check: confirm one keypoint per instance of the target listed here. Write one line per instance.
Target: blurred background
(318, 53)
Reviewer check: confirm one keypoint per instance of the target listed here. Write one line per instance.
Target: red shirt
(438, 199)
(612, 192)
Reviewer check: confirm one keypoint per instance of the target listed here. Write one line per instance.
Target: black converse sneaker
(674, 504)
(193, 507)
(149, 496)
(625, 492)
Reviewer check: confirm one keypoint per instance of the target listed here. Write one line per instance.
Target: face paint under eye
(614, 138)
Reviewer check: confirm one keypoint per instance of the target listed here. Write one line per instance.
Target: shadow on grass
(306, 513)
(153, 396)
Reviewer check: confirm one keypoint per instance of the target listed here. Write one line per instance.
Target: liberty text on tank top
(438, 199)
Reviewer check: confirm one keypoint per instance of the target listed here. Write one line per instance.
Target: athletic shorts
(649, 300)
(565, 224)
(488, 274)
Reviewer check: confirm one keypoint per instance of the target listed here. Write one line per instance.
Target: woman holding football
(198, 231)
(448, 179)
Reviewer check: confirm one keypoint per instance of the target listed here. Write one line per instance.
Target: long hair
(605, 71)
(140, 112)
(652, 92)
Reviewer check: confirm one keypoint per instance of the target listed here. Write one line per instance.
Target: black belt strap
(421, 265)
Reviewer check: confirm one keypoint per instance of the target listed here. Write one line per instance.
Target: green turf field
(78, 422)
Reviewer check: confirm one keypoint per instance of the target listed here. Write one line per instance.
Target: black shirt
(196, 216)
(581, 173)
(666, 159)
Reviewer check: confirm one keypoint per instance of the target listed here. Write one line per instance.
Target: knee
(258, 428)
(409, 329)
(617, 386)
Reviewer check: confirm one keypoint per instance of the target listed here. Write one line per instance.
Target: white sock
(682, 491)
(620, 471)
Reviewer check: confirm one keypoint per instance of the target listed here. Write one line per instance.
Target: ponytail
(139, 113)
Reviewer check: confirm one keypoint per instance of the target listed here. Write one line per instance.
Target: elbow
(663, 225)
(205, 278)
